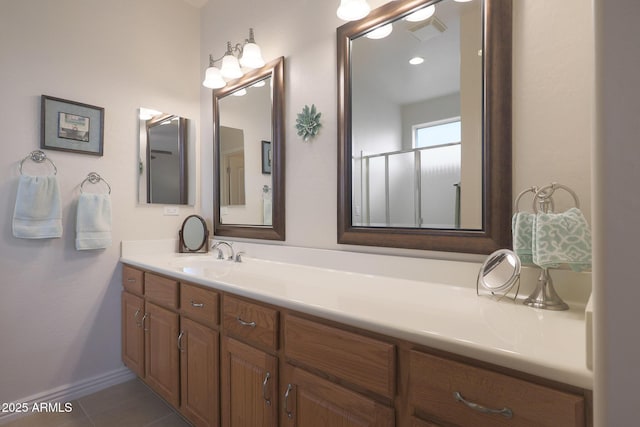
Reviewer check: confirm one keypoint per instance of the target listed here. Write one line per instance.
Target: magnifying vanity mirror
(248, 116)
(424, 126)
(499, 272)
(194, 235)
(165, 153)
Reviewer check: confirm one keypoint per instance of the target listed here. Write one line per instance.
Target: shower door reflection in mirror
(245, 121)
(166, 152)
(417, 125)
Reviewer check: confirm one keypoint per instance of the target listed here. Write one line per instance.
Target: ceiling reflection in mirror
(165, 153)
(244, 122)
(416, 120)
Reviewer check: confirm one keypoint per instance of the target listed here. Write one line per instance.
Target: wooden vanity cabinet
(162, 363)
(133, 332)
(249, 364)
(437, 387)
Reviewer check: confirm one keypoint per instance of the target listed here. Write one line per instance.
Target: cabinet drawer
(161, 290)
(199, 304)
(133, 280)
(434, 381)
(363, 361)
(252, 322)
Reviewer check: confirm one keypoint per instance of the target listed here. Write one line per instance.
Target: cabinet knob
(505, 412)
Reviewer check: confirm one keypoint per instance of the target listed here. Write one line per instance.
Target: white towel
(93, 221)
(38, 210)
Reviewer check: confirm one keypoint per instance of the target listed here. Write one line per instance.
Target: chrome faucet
(221, 253)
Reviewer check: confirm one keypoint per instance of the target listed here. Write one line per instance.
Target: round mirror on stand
(499, 273)
(194, 235)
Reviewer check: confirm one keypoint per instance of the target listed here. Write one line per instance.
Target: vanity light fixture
(249, 54)
(416, 60)
(352, 10)
(422, 14)
(380, 32)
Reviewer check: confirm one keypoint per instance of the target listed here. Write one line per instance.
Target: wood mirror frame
(496, 133)
(276, 231)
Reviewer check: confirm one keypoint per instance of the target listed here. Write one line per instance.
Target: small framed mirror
(194, 235)
(499, 273)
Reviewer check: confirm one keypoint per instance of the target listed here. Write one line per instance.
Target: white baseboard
(73, 391)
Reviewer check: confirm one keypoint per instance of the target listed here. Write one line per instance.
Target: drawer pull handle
(245, 323)
(505, 412)
(286, 401)
(264, 389)
(180, 341)
(131, 280)
(197, 304)
(142, 321)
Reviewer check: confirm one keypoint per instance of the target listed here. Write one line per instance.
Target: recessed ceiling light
(416, 60)
(422, 14)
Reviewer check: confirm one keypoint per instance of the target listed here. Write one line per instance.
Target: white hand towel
(93, 221)
(38, 210)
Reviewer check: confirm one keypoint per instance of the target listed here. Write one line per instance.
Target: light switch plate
(171, 210)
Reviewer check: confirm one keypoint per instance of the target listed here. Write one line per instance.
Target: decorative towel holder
(38, 156)
(545, 296)
(94, 178)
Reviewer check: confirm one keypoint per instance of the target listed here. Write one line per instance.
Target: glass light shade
(230, 68)
(381, 32)
(352, 10)
(416, 60)
(241, 92)
(422, 14)
(213, 79)
(251, 56)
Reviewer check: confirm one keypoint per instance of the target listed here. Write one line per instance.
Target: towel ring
(544, 199)
(94, 178)
(553, 187)
(38, 157)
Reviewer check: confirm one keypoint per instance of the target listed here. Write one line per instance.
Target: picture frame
(267, 157)
(71, 126)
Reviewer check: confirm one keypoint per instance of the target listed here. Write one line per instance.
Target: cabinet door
(161, 350)
(249, 386)
(310, 401)
(133, 333)
(198, 373)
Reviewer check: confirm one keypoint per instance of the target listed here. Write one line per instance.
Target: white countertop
(545, 343)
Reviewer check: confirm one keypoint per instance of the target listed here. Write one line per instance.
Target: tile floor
(130, 404)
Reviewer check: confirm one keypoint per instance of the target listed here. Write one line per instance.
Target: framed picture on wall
(266, 157)
(71, 126)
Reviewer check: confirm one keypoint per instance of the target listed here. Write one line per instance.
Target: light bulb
(380, 32)
(352, 10)
(213, 79)
(422, 14)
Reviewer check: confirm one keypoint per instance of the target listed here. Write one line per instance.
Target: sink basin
(206, 265)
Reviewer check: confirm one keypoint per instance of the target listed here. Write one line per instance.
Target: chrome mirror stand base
(545, 296)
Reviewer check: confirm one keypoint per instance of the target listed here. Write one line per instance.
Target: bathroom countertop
(548, 344)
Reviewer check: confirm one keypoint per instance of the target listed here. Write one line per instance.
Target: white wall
(60, 308)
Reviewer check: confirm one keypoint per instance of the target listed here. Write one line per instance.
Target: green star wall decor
(308, 122)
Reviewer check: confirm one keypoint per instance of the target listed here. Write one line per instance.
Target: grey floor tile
(173, 420)
(112, 397)
(136, 412)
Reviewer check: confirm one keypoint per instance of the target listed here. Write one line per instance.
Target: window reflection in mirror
(417, 125)
(164, 157)
(245, 121)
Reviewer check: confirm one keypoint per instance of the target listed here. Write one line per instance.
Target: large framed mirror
(249, 155)
(424, 126)
(165, 159)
